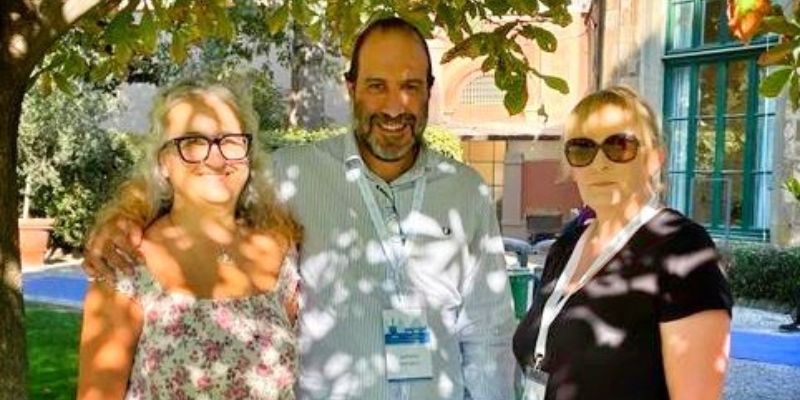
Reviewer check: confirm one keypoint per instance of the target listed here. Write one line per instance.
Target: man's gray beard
(375, 149)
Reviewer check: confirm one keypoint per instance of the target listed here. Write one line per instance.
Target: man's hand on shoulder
(112, 245)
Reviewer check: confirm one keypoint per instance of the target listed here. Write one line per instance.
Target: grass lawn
(52, 351)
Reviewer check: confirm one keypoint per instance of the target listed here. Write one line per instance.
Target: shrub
(445, 142)
(276, 138)
(438, 138)
(764, 272)
(70, 159)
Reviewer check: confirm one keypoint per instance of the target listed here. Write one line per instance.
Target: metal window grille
(481, 91)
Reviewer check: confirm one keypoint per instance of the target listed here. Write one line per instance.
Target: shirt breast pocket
(437, 259)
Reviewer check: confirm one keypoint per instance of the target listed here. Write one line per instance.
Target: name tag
(407, 341)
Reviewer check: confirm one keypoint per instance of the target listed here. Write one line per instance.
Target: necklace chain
(224, 256)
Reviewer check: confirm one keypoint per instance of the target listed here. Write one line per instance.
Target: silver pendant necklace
(224, 257)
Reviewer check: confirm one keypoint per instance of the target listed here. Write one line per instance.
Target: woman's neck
(611, 220)
(217, 226)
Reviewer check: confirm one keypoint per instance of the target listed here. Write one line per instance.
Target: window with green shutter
(719, 130)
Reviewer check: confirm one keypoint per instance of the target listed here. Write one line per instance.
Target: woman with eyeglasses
(210, 312)
(634, 303)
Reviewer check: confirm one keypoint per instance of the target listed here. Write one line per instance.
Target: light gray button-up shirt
(455, 271)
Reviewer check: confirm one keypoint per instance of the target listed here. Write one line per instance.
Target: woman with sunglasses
(634, 304)
(210, 312)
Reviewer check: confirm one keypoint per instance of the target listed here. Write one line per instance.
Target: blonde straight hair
(640, 112)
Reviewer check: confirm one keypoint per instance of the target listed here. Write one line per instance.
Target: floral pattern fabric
(232, 348)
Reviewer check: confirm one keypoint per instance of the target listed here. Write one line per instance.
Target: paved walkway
(746, 380)
(750, 380)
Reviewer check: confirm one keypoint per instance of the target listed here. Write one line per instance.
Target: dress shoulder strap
(288, 285)
(139, 284)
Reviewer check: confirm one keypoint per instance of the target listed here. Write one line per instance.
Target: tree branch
(73, 10)
(57, 18)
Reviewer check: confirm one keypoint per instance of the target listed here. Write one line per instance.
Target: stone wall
(632, 42)
(786, 209)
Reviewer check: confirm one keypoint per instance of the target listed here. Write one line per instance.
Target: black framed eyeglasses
(195, 148)
(619, 148)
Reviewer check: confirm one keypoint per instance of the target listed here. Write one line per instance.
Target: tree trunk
(13, 358)
(27, 30)
(15, 69)
(307, 97)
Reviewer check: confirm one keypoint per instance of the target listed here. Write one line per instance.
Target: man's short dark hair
(386, 24)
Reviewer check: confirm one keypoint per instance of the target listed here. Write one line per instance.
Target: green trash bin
(524, 285)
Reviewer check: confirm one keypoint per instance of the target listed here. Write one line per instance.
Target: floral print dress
(230, 348)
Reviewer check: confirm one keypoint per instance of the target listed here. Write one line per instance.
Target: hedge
(760, 272)
(438, 138)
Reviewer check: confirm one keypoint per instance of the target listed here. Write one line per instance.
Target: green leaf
(780, 25)
(276, 22)
(559, 15)
(502, 31)
(778, 54)
(100, 71)
(74, 65)
(179, 49)
(122, 53)
(499, 7)
(545, 39)
(524, 7)
(119, 30)
(344, 18)
(148, 33)
(45, 83)
(221, 20)
(420, 19)
(516, 97)
(502, 72)
(64, 84)
(448, 18)
(556, 83)
(772, 85)
(794, 92)
(552, 82)
(470, 47)
(301, 13)
(792, 185)
(489, 63)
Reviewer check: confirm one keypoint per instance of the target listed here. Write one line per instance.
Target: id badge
(535, 384)
(407, 345)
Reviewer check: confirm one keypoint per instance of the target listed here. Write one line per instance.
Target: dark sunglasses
(619, 148)
(195, 148)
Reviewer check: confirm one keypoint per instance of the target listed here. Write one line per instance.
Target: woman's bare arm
(112, 323)
(696, 350)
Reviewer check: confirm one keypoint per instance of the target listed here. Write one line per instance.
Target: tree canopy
(109, 39)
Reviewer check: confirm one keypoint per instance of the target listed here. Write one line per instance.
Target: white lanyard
(555, 303)
(397, 251)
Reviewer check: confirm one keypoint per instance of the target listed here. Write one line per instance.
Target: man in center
(396, 234)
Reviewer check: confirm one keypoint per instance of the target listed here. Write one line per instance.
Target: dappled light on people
(634, 304)
(210, 311)
(440, 266)
(393, 227)
(401, 257)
